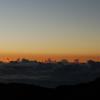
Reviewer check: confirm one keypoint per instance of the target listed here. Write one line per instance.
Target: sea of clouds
(48, 75)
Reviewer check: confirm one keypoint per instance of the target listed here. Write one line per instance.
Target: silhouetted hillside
(90, 89)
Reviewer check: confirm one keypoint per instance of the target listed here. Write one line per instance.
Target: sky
(50, 27)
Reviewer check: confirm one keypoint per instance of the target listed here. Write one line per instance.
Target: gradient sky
(50, 27)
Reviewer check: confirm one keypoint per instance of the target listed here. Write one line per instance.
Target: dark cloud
(49, 74)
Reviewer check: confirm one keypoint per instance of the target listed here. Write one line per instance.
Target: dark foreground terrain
(91, 89)
(26, 71)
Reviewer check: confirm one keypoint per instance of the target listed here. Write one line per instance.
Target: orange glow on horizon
(42, 58)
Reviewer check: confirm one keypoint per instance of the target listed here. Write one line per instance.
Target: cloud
(49, 74)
